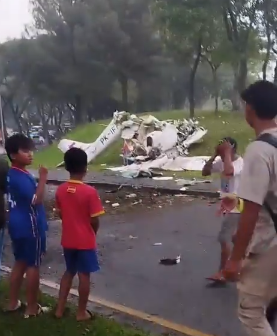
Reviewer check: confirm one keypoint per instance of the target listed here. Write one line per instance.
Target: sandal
(18, 308)
(41, 310)
(91, 317)
(219, 278)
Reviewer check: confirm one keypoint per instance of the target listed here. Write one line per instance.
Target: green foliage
(16, 325)
(140, 54)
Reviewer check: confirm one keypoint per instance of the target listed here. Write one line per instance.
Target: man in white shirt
(229, 164)
(253, 262)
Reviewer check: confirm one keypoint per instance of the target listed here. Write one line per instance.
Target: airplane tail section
(109, 135)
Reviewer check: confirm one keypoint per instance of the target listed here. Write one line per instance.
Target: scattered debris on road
(131, 195)
(123, 201)
(170, 262)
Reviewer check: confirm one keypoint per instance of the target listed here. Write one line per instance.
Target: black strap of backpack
(271, 140)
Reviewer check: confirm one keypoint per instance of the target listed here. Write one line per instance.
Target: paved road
(111, 178)
(131, 274)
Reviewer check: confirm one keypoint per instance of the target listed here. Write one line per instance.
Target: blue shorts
(29, 250)
(81, 261)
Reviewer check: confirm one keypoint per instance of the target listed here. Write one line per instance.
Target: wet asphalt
(130, 248)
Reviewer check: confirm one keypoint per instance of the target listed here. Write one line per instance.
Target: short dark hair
(76, 161)
(18, 142)
(262, 97)
(231, 141)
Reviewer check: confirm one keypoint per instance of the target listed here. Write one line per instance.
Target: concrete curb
(124, 315)
(158, 189)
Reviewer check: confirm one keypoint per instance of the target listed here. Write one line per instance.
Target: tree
(135, 47)
(185, 26)
(240, 18)
(93, 44)
(216, 52)
(14, 89)
(269, 25)
(73, 50)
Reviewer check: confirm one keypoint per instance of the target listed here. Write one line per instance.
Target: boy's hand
(232, 270)
(227, 205)
(224, 147)
(43, 172)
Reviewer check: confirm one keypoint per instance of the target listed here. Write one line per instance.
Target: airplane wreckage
(147, 143)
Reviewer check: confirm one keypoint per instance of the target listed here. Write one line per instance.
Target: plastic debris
(131, 196)
(163, 178)
(137, 202)
(184, 189)
(158, 244)
(114, 190)
(115, 205)
(170, 262)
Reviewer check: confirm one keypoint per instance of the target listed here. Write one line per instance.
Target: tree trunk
(243, 72)
(275, 74)
(216, 92)
(268, 51)
(215, 88)
(240, 79)
(4, 105)
(44, 122)
(17, 117)
(124, 92)
(140, 106)
(191, 92)
(78, 112)
(265, 64)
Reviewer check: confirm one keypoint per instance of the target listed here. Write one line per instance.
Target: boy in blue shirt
(27, 223)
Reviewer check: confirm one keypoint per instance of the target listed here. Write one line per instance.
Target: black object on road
(170, 262)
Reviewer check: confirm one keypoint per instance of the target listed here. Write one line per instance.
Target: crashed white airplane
(171, 140)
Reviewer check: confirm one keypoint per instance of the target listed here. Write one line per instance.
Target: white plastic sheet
(195, 163)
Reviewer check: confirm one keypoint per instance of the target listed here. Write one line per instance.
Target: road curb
(157, 189)
(51, 288)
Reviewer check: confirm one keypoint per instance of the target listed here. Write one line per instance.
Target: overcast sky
(14, 15)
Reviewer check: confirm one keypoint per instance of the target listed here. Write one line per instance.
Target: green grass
(46, 325)
(226, 124)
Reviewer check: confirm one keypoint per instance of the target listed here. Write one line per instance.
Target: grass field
(226, 124)
(45, 325)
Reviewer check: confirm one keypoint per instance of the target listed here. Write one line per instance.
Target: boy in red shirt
(79, 207)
